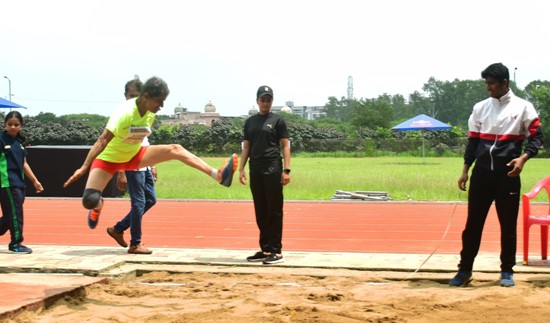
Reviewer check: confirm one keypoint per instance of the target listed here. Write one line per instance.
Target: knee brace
(90, 198)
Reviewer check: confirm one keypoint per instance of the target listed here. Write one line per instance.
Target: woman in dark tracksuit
(264, 135)
(13, 168)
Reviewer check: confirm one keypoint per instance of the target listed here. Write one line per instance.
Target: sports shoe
(139, 249)
(225, 173)
(119, 237)
(274, 258)
(462, 278)
(93, 216)
(507, 279)
(21, 249)
(257, 257)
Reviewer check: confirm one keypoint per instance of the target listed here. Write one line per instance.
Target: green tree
(223, 135)
(94, 120)
(45, 133)
(538, 93)
(81, 133)
(45, 117)
(162, 134)
(190, 136)
(452, 102)
(372, 113)
(341, 110)
(400, 107)
(534, 90)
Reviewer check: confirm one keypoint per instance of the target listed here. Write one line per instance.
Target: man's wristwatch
(286, 170)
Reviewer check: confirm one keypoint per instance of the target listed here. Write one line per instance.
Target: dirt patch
(298, 297)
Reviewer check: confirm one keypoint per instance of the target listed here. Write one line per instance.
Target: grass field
(403, 178)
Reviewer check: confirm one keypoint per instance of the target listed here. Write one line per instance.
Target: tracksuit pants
(267, 192)
(11, 199)
(487, 186)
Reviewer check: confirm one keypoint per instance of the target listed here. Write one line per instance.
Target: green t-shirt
(121, 149)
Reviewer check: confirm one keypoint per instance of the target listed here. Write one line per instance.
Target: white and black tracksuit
(497, 131)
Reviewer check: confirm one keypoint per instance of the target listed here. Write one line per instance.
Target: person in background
(498, 127)
(119, 148)
(265, 134)
(140, 184)
(13, 169)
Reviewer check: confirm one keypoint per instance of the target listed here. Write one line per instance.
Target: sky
(66, 56)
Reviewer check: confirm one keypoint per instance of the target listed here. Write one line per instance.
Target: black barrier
(53, 165)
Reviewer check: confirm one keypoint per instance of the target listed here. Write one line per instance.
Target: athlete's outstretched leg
(160, 153)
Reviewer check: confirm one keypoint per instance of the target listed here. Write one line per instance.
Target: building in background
(182, 116)
(209, 115)
(306, 112)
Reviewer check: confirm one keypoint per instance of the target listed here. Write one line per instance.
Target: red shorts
(111, 168)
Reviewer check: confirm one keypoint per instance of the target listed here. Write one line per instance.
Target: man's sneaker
(93, 216)
(462, 278)
(274, 258)
(119, 237)
(507, 279)
(257, 257)
(139, 249)
(21, 249)
(225, 173)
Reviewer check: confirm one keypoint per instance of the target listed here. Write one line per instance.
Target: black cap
(264, 90)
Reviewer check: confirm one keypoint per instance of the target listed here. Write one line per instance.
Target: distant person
(119, 148)
(13, 169)
(265, 135)
(498, 127)
(140, 184)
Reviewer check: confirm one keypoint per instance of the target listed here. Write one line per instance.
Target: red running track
(330, 226)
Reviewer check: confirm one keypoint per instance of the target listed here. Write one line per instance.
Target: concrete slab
(31, 291)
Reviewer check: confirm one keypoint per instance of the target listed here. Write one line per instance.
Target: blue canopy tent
(422, 122)
(8, 104)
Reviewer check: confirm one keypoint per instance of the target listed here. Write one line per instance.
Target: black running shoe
(274, 258)
(462, 278)
(21, 249)
(225, 173)
(257, 257)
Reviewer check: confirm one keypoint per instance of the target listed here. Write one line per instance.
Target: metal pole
(423, 149)
(9, 86)
(515, 69)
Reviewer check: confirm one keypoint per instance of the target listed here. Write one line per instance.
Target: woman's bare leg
(160, 153)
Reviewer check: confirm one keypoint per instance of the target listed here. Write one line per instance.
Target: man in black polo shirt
(264, 135)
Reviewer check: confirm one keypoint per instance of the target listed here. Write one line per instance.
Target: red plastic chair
(530, 219)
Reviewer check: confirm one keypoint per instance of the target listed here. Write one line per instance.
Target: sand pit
(301, 295)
